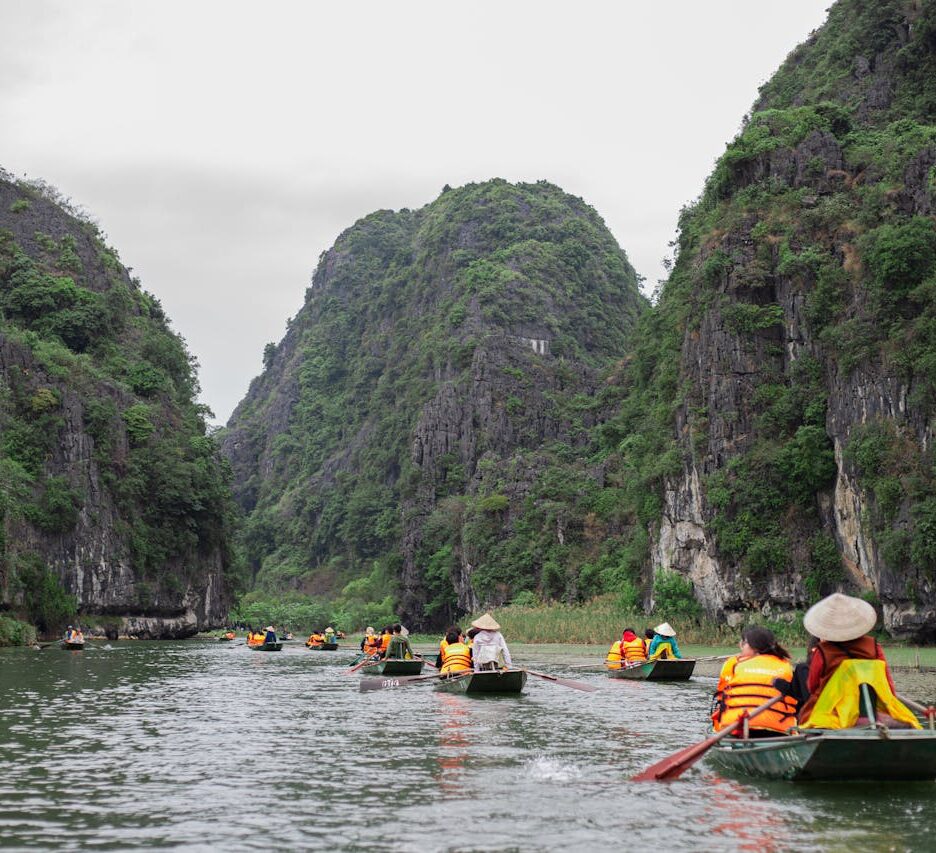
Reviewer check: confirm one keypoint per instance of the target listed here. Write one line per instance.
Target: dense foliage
(411, 313)
(97, 416)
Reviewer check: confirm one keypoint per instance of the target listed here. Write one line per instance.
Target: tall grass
(16, 633)
(602, 620)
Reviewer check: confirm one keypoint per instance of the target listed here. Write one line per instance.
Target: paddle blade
(675, 765)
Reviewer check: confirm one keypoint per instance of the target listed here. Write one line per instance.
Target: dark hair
(473, 632)
(649, 633)
(397, 628)
(764, 642)
(630, 629)
(452, 636)
(452, 628)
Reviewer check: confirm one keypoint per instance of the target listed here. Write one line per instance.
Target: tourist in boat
(445, 640)
(399, 648)
(370, 645)
(316, 638)
(329, 635)
(747, 681)
(628, 649)
(664, 643)
(488, 649)
(845, 659)
(385, 637)
(455, 655)
(269, 635)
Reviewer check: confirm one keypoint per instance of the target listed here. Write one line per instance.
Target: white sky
(224, 145)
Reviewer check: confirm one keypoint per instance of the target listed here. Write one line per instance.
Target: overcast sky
(222, 146)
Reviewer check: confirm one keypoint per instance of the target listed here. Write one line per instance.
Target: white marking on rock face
(539, 345)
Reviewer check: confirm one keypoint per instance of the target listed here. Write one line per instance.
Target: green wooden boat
(394, 666)
(267, 647)
(664, 669)
(322, 647)
(497, 681)
(75, 647)
(868, 754)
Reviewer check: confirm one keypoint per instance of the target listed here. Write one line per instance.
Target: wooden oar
(365, 662)
(675, 765)
(565, 682)
(602, 665)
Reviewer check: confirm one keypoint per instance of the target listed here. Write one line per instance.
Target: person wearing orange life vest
(747, 681)
(628, 649)
(385, 639)
(444, 642)
(370, 645)
(845, 664)
(456, 656)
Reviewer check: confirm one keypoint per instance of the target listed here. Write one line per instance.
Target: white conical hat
(486, 623)
(839, 618)
(664, 629)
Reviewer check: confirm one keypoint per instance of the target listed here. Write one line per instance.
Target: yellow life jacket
(664, 650)
(839, 704)
(456, 657)
(615, 656)
(749, 683)
(635, 649)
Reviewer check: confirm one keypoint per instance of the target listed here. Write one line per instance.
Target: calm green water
(208, 746)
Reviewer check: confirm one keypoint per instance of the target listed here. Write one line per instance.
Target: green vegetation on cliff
(101, 439)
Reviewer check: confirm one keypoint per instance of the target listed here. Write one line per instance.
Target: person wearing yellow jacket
(628, 649)
(747, 681)
(456, 656)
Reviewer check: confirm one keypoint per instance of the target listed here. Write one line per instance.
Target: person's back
(488, 649)
(664, 643)
(399, 647)
(455, 655)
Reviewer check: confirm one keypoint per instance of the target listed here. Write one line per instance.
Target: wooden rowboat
(664, 669)
(266, 647)
(394, 666)
(74, 646)
(868, 754)
(496, 681)
(322, 647)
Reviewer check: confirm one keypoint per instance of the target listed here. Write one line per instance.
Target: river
(202, 745)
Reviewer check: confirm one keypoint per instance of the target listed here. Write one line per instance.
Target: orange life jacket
(371, 645)
(745, 684)
(635, 649)
(385, 643)
(615, 656)
(456, 657)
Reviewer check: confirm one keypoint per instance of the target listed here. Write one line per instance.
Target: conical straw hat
(664, 629)
(840, 618)
(486, 623)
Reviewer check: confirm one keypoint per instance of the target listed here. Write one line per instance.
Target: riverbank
(13, 632)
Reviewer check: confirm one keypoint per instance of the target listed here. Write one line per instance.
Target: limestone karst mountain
(114, 503)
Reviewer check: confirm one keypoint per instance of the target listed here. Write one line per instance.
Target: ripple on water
(207, 746)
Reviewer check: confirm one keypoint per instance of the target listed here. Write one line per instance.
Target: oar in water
(602, 665)
(565, 682)
(365, 662)
(678, 763)
(929, 714)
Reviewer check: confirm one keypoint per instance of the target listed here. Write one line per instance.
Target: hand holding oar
(675, 765)
(565, 682)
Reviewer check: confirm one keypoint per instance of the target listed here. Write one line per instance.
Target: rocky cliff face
(110, 491)
(445, 361)
(804, 299)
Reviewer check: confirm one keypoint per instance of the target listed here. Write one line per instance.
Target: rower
(664, 643)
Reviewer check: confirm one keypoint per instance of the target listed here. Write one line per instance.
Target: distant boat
(74, 645)
(865, 754)
(266, 647)
(323, 647)
(662, 669)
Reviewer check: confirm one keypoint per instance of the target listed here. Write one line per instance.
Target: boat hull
(505, 681)
(394, 667)
(75, 647)
(322, 647)
(906, 755)
(267, 647)
(666, 669)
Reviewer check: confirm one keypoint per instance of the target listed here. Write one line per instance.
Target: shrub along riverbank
(16, 633)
